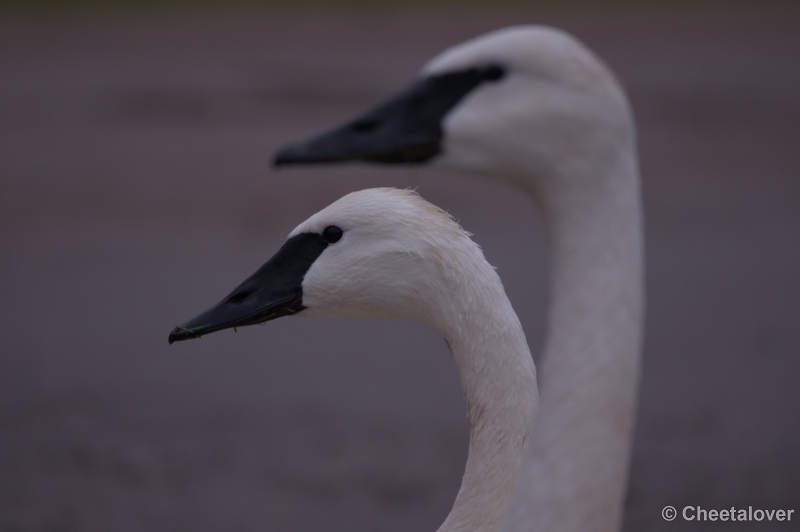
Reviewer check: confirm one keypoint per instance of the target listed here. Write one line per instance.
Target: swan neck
(499, 385)
(577, 467)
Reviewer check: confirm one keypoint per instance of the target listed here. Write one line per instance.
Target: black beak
(275, 290)
(406, 129)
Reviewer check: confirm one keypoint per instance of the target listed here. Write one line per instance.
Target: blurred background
(136, 190)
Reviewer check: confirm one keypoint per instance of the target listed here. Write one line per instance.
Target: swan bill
(275, 290)
(406, 129)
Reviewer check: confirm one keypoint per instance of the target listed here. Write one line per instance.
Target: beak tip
(290, 155)
(311, 152)
(178, 334)
(279, 160)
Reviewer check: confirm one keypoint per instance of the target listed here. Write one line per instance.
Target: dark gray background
(136, 190)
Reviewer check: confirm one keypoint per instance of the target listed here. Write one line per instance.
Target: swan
(533, 105)
(387, 253)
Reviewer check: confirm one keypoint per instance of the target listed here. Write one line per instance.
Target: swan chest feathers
(387, 253)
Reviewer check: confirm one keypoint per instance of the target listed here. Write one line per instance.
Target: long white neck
(498, 379)
(575, 475)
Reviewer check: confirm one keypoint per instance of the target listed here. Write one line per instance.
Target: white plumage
(401, 257)
(534, 106)
(559, 125)
(387, 253)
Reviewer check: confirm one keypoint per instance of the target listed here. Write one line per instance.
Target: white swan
(535, 106)
(387, 253)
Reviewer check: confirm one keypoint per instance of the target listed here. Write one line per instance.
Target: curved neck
(575, 473)
(498, 379)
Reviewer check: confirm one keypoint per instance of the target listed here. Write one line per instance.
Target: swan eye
(494, 73)
(332, 234)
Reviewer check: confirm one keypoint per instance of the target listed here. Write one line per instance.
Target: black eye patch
(332, 234)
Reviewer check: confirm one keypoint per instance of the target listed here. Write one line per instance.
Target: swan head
(519, 100)
(377, 253)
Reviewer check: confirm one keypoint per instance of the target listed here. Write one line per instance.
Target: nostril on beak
(365, 126)
(238, 297)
